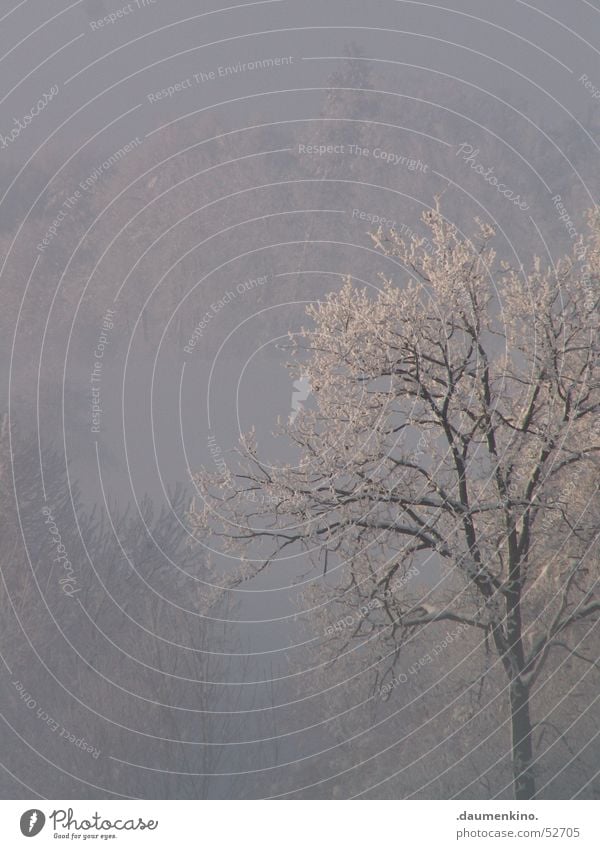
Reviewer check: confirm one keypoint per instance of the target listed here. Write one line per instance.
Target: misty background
(186, 233)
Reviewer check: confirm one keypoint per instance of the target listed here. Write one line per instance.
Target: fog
(153, 325)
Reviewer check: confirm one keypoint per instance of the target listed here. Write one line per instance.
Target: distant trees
(118, 659)
(455, 428)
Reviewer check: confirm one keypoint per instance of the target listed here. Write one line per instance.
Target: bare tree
(142, 643)
(454, 424)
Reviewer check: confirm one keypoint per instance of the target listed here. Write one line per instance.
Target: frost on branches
(454, 428)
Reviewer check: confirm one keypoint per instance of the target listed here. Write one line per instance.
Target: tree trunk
(522, 745)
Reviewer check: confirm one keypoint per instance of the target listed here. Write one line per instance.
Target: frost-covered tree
(454, 427)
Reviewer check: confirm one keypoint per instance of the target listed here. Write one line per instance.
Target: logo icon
(32, 822)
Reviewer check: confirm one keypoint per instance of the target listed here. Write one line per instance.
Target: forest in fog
(300, 429)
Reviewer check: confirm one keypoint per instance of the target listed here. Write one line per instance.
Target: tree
(140, 644)
(454, 425)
